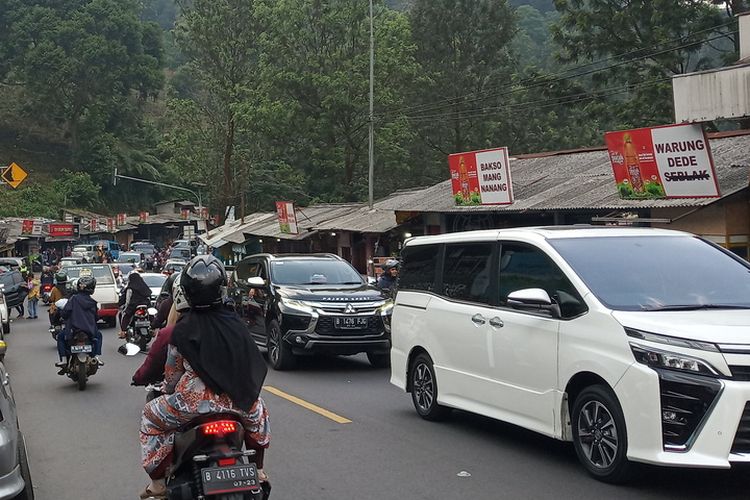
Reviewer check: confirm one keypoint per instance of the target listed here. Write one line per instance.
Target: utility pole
(197, 195)
(371, 177)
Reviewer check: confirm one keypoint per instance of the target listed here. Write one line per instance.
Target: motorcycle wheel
(81, 369)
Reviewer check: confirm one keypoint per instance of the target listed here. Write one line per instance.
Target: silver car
(15, 477)
(4, 315)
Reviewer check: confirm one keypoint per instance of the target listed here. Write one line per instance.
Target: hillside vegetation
(268, 99)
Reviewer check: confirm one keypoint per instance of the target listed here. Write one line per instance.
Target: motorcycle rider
(80, 314)
(60, 291)
(213, 366)
(137, 293)
(389, 279)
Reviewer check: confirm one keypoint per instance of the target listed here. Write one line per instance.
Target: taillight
(141, 311)
(224, 462)
(219, 428)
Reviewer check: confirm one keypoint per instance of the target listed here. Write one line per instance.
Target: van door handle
(497, 322)
(478, 319)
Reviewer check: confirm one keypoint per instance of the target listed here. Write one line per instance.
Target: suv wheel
(599, 435)
(424, 389)
(279, 352)
(379, 360)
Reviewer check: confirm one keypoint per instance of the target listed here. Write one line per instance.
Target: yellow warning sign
(14, 175)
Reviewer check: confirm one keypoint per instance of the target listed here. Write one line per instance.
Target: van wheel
(599, 434)
(424, 389)
(379, 360)
(279, 352)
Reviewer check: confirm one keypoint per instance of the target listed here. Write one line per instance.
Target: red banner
(481, 177)
(93, 225)
(63, 230)
(110, 224)
(204, 213)
(143, 217)
(185, 213)
(121, 219)
(27, 226)
(287, 217)
(673, 161)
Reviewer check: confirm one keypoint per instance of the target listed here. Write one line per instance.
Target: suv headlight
(656, 358)
(296, 306)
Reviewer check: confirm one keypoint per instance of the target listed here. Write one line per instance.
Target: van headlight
(656, 358)
(386, 310)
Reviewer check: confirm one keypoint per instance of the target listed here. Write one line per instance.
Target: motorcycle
(210, 462)
(55, 329)
(81, 364)
(140, 332)
(46, 292)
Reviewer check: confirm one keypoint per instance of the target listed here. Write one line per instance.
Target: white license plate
(353, 323)
(142, 323)
(217, 480)
(81, 349)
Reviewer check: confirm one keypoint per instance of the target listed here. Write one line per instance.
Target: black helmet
(61, 277)
(390, 264)
(86, 284)
(203, 281)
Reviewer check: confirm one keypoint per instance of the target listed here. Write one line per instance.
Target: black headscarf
(218, 346)
(139, 287)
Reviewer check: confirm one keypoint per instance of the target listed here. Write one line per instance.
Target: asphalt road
(84, 445)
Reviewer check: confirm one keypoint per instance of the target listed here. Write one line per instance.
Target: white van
(634, 343)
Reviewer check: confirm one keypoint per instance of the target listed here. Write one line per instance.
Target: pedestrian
(33, 298)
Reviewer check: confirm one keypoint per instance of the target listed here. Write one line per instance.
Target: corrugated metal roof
(582, 180)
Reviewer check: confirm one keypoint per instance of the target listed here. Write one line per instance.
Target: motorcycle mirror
(152, 311)
(129, 349)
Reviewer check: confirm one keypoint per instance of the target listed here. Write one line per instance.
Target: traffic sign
(14, 175)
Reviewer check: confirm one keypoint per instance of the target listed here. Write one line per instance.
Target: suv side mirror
(533, 299)
(256, 282)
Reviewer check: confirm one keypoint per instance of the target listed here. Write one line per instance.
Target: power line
(545, 103)
(549, 79)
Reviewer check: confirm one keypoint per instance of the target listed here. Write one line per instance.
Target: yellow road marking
(304, 404)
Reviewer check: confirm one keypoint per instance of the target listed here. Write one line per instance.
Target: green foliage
(71, 189)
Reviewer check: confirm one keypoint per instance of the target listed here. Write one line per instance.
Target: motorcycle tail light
(225, 462)
(219, 428)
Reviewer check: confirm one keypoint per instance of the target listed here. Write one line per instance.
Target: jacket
(80, 313)
(152, 369)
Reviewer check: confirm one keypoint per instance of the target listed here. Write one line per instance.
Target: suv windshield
(658, 273)
(103, 273)
(314, 272)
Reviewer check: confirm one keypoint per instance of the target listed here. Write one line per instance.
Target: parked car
(106, 293)
(15, 476)
(15, 288)
(83, 252)
(313, 303)
(4, 314)
(13, 263)
(630, 342)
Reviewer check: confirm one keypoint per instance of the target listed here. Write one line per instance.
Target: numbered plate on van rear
(217, 480)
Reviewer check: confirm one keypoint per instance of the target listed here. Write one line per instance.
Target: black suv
(298, 304)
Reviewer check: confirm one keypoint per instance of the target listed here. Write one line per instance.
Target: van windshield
(313, 272)
(658, 273)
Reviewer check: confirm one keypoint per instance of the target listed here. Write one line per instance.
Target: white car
(106, 292)
(634, 343)
(154, 281)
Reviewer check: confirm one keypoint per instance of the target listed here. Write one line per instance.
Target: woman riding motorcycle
(137, 293)
(213, 366)
(80, 314)
(60, 291)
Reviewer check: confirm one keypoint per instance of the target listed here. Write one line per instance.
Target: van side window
(523, 266)
(466, 272)
(418, 268)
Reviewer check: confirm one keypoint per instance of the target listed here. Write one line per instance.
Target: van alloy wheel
(598, 434)
(424, 389)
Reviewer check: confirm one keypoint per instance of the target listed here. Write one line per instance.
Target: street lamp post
(162, 184)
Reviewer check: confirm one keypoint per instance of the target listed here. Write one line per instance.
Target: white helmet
(178, 296)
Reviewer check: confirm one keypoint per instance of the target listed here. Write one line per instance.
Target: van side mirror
(256, 282)
(533, 299)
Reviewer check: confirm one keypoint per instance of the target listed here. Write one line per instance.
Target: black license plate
(217, 480)
(353, 323)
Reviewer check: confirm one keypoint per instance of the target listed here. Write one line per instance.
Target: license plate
(353, 323)
(217, 480)
(78, 349)
(142, 323)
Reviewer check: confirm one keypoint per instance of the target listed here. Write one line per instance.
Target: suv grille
(742, 438)
(325, 327)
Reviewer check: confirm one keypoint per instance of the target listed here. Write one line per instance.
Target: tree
(463, 47)
(77, 55)
(645, 31)
(71, 189)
